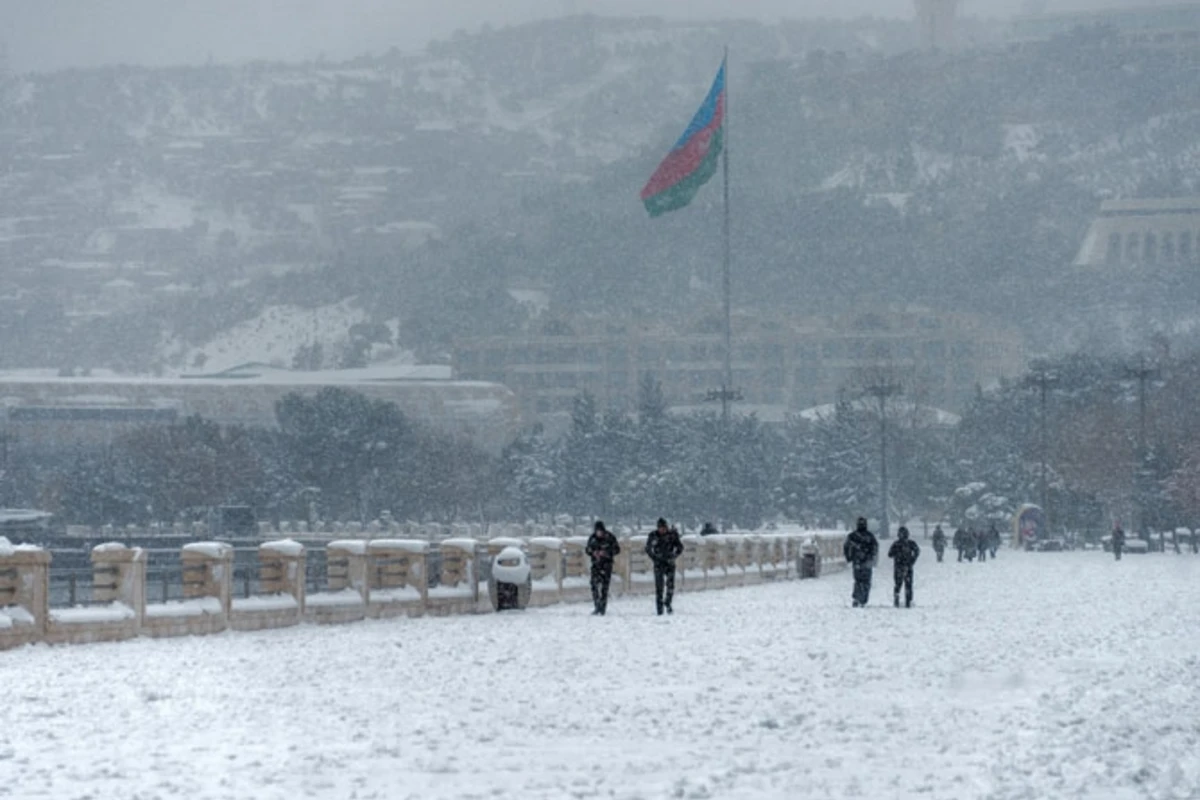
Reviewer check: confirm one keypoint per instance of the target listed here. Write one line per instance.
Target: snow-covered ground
(1056, 675)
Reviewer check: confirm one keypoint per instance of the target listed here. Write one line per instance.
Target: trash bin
(810, 561)
(511, 582)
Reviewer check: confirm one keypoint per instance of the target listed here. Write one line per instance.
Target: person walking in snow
(861, 549)
(993, 540)
(981, 545)
(602, 548)
(1118, 542)
(663, 546)
(904, 553)
(960, 542)
(939, 543)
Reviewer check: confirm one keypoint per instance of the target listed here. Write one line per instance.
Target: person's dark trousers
(1117, 553)
(982, 555)
(960, 554)
(940, 553)
(664, 586)
(992, 550)
(862, 585)
(601, 576)
(904, 576)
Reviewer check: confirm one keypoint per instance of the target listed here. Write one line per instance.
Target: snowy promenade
(1056, 675)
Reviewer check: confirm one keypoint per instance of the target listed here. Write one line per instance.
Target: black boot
(896, 600)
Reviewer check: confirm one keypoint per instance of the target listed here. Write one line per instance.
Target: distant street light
(881, 390)
(1042, 379)
(1142, 372)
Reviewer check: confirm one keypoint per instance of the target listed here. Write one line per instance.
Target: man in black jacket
(1118, 541)
(663, 545)
(602, 548)
(904, 553)
(861, 549)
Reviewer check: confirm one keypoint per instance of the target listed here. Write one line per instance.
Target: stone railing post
(347, 567)
(577, 577)
(458, 583)
(545, 565)
(282, 567)
(399, 574)
(24, 593)
(691, 563)
(208, 572)
(119, 576)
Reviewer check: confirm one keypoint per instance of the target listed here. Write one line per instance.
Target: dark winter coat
(905, 553)
(939, 539)
(602, 550)
(664, 548)
(960, 539)
(1118, 538)
(861, 548)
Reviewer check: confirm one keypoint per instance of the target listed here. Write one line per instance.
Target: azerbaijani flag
(693, 160)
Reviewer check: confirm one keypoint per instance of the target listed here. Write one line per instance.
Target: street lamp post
(1142, 372)
(881, 390)
(1042, 379)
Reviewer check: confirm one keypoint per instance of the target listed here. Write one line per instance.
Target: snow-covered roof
(928, 416)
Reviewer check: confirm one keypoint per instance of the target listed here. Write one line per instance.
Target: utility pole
(881, 390)
(1042, 379)
(1142, 373)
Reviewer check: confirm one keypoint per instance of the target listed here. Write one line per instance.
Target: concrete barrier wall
(376, 578)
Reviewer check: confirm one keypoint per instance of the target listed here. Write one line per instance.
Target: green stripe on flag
(682, 193)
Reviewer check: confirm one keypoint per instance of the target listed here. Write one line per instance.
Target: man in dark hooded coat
(663, 545)
(904, 553)
(861, 549)
(602, 548)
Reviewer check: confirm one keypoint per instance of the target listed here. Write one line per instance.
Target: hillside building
(1145, 232)
(781, 366)
(44, 412)
(1173, 26)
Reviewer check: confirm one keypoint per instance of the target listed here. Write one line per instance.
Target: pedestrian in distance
(861, 550)
(904, 553)
(603, 549)
(663, 546)
(981, 545)
(993, 540)
(1118, 542)
(960, 542)
(939, 543)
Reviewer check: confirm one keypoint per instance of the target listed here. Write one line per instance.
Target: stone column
(282, 566)
(119, 576)
(208, 572)
(545, 563)
(24, 593)
(398, 568)
(347, 567)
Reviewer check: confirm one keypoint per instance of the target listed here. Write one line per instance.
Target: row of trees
(1096, 438)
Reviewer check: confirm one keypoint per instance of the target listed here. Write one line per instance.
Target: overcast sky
(52, 34)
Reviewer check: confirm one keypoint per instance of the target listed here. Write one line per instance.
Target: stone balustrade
(364, 578)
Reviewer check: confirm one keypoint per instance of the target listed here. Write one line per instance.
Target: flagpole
(727, 389)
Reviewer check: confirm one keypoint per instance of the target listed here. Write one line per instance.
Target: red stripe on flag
(683, 161)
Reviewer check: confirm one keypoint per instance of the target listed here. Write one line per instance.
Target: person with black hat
(904, 553)
(663, 545)
(861, 549)
(602, 548)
